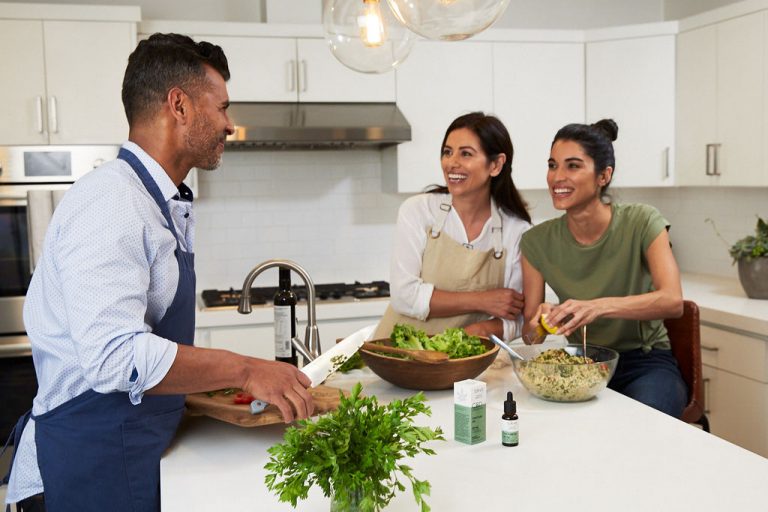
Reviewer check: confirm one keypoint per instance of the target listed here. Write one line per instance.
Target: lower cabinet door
(737, 408)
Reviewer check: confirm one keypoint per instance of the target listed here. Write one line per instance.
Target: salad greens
(453, 341)
(354, 450)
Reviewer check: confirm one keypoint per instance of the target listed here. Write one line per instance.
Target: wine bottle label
(509, 432)
(283, 321)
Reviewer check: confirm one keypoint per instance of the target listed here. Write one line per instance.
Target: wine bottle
(285, 319)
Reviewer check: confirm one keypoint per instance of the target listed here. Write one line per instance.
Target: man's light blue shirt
(106, 275)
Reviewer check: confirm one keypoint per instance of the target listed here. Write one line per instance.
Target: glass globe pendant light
(364, 35)
(448, 20)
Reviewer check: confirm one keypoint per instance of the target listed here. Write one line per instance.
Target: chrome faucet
(310, 348)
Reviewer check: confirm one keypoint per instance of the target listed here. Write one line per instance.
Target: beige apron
(453, 267)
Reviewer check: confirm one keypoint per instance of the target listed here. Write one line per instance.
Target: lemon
(549, 328)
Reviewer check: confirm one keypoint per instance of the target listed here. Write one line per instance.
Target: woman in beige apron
(483, 205)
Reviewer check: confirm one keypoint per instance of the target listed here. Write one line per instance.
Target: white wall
(579, 14)
(326, 211)
(323, 209)
(676, 9)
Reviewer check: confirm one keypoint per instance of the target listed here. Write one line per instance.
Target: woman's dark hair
(597, 141)
(164, 61)
(495, 141)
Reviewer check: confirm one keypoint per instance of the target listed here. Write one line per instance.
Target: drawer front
(736, 353)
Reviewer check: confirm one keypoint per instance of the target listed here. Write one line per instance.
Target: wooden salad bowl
(418, 375)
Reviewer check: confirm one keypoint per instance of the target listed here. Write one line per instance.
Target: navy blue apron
(100, 452)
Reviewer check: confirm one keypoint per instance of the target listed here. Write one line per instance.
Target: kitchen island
(610, 453)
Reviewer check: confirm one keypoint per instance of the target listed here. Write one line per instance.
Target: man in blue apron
(111, 307)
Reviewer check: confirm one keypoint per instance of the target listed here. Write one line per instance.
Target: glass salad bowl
(551, 374)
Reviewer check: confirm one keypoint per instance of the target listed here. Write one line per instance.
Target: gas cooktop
(323, 292)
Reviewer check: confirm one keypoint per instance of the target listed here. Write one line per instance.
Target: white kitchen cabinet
(438, 82)
(632, 81)
(295, 69)
(537, 89)
(62, 81)
(720, 97)
(735, 371)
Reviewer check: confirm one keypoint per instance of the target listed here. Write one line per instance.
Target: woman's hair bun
(609, 127)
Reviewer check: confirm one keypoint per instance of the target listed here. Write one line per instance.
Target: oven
(28, 171)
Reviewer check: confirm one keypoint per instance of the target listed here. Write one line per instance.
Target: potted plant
(751, 253)
(353, 454)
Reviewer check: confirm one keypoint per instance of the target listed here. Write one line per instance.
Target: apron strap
(440, 218)
(16, 436)
(496, 232)
(154, 190)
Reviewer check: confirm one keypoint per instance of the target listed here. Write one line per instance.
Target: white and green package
(469, 411)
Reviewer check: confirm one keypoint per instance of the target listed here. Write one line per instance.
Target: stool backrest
(685, 338)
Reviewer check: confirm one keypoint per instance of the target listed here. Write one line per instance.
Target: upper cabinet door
(632, 81)
(85, 63)
(538, 89)
(261, 69)
(22, 87)
(721, 103)
(740, 95)
(696, 103)
(322, 78)
(437, 83)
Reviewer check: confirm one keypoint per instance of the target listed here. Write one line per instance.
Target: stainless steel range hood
(316, 125)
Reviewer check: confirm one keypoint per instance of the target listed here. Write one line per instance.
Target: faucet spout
(310, 348)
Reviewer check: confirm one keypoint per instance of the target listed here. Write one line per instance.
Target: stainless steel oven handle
(15, 350)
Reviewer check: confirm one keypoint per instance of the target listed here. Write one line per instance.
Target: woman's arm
(498, 303)
(666, 301)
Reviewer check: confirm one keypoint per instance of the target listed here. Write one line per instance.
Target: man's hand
(280, 384)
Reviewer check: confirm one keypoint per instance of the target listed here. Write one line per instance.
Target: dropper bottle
(510, 431)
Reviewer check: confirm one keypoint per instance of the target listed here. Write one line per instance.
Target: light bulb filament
(371, 24)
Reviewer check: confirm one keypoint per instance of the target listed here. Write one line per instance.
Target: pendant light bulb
(371, 24)
(364, 35)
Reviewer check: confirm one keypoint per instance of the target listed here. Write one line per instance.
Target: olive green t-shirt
(614, 266)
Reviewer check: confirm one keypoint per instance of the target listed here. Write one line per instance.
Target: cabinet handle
(713, 164)
(39, 108)
(303, 76)
(707, 410)
(291, 75)
(666, 163)
(53, 118)
(709, 349)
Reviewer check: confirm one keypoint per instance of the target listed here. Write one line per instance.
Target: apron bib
(453, 267)
(98, 451)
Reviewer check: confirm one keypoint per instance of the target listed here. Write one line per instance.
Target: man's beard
(203, 144)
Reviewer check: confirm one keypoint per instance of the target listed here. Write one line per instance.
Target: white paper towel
(40, 207)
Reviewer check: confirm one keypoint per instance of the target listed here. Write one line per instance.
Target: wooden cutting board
(222, 407)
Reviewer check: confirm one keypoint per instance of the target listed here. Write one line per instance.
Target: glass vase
(354, 500)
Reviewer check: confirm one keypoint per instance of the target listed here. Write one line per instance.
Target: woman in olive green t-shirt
(611, 266)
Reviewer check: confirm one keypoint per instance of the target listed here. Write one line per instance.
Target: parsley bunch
(354, 449)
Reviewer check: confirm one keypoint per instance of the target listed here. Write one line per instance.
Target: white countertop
(610, 453)
(723, 301)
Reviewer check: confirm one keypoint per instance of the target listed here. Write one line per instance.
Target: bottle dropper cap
(510, 407)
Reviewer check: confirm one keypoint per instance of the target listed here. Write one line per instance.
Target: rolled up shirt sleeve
(409, 294)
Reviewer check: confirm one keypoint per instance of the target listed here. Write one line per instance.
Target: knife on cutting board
(327, 363)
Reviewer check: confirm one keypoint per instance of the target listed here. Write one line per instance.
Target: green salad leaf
(407, 336)
(453, 341)
(359, 446)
